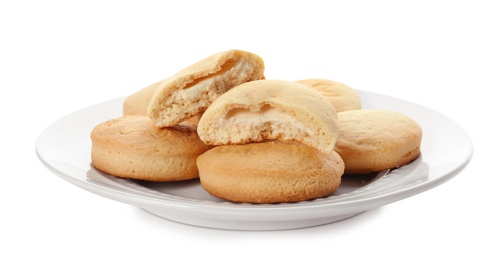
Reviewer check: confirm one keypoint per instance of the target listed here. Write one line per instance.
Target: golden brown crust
(133, 147)
(268, 110)
(269, 172)
(340, 95)
(376, 140)
(137, 103)
(191, 90)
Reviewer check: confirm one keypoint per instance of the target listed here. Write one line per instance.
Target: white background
(57, 57)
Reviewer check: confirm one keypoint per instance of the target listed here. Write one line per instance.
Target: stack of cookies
(251, 139)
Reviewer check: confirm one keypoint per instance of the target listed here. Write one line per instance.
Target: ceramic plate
(64, 148)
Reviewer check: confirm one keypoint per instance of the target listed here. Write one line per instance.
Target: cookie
(341, 96)
(190, 91)
(270, 110)
(376, 140)
(137, 103)
(269, 172)
(133, 147)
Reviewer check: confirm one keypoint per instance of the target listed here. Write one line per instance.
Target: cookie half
(190, 91)
(269, 172)
(376, 140)
(133, 147)
(269, 110)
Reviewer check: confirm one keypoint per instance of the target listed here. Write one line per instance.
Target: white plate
(64, 148)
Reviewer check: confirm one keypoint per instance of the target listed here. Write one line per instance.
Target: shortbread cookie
(133, 147)
(341, 96)
(268, 110)
(376, 140)
(137, 103)
(269, 172)
(190, 91)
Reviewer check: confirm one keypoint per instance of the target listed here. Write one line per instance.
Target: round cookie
(269, 172)
(341, 96)
(376, 140)
(270, 110)
(137, 103)
(133, 147)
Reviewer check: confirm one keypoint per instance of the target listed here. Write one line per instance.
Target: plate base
(248, 225)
